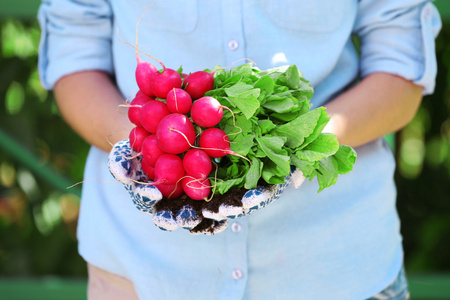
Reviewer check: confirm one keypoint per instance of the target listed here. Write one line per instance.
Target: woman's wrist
(380, 104)
(89, 102)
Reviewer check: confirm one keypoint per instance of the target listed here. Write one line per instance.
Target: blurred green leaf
(15, 97)
(35, 87)
(437, 150)
(18, 40)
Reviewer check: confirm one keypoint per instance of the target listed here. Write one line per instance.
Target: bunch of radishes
(167, 110)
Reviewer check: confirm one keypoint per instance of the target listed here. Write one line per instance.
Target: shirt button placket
(233, 35)
(237, 238)
(237, 259)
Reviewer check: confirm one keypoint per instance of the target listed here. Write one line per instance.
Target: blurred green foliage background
(40, 156)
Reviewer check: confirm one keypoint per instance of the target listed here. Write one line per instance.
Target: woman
(343, 243)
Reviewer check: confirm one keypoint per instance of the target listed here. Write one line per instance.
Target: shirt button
(237, 274)
(236, 227)
(427, 13)
(233, 45)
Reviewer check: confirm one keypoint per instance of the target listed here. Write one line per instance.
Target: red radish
(206, 112)
(152, 113)
(197, 163)
(196, 189)
(168, 169)
(144, 74)
(150, 150)
(178, 101)
(175, 134)
(134, 110)
(137, 137)
(215, 142)
(139, 94)
(171, 191)
(198, 83)
(144, 70)
(147, 169)
(165, 80)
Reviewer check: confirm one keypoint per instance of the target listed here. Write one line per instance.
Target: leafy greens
(274, 127)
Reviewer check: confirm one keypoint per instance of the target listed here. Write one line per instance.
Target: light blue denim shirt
(343, 243)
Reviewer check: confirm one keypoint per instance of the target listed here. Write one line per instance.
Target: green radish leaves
(245, 97)
(272, 124)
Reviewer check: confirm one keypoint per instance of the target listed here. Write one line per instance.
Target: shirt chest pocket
(175, 15)
(308, 16)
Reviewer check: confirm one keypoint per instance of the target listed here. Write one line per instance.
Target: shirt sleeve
(398, 37)
(75, 36)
